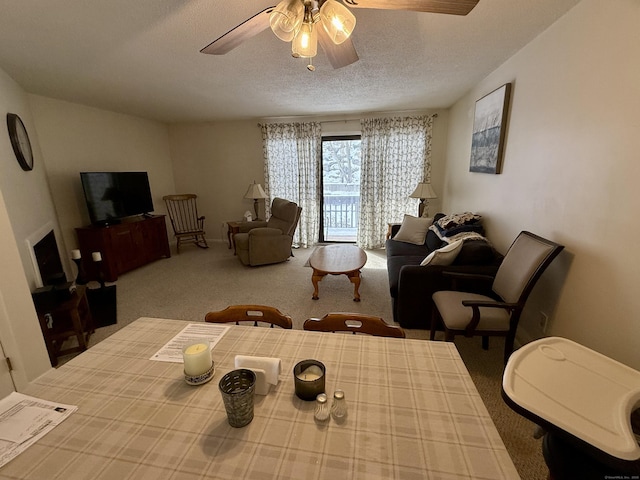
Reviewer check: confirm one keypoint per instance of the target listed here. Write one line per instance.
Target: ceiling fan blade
(339, 55)
(451, 7)
(234, 37)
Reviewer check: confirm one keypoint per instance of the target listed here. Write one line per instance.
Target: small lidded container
(322, 412)
(339, 405)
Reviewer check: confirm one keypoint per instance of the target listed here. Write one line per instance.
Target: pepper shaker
(322, 411)
(339, 405)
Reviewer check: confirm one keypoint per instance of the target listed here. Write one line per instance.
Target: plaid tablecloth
(414, 413)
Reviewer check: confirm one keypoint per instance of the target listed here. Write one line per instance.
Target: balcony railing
(341, 217)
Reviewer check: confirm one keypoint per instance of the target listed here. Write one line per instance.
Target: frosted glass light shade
(337, 20)
(286, 18)
(305, 43)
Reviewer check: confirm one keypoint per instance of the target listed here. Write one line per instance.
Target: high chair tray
(583, 392)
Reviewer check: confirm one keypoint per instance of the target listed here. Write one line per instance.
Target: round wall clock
(20, 141)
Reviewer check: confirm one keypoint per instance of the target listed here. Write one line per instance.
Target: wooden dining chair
(250, 313)
(354, 323)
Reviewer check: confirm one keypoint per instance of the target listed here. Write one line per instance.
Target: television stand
(132, 243)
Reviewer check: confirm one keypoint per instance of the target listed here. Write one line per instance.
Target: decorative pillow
(413, 230)
(445, 255)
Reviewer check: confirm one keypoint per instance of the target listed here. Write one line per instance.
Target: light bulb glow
(337, 20)
(305, 43)
(337, 24)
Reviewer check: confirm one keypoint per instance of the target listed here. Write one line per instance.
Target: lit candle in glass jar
(197, 358)
(309, 379)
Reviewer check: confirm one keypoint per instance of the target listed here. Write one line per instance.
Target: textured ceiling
(142, 57)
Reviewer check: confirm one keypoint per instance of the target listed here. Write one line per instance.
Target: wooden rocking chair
(187, 225)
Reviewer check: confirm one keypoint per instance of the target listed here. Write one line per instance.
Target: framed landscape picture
(489, 125)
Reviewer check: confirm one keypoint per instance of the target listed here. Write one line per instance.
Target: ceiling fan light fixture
(305, 43)
(286, 18)
(337, 20)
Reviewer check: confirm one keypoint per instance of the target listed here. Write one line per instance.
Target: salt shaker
(322, 412)
(339, 405)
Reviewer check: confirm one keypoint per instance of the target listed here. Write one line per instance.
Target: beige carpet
(188, 285)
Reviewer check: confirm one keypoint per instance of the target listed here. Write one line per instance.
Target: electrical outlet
(544, 322)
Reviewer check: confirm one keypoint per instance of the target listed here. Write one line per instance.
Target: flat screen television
(111, 196)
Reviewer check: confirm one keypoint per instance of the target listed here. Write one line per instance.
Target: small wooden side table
(232, 229)
(71, 317)
(390, 226)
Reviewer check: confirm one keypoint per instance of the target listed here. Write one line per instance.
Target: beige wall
(570, 172)
(218, 161)
(75, 138)
(66, 139)
(25, 206)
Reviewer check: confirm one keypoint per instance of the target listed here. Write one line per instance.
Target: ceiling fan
(305, 23)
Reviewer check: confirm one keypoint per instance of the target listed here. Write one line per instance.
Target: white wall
(75, 138)
(570, 172)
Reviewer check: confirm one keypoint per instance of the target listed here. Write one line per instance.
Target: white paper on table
(172, 350)
(24, 420)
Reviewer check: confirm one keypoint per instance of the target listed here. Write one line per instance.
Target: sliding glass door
(340, 188)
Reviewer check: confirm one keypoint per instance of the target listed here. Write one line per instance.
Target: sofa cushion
(476, 252)
(403, 249)
(394, 264)
(413, 230)
(443, 256)
(433, 242)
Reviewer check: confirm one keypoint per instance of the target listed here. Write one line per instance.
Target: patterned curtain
(292, 171)
(396, 156)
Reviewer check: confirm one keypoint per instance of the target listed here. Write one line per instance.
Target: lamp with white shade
(423, 191)
(255, 192)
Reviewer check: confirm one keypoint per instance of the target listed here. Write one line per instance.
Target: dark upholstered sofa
(412, 285)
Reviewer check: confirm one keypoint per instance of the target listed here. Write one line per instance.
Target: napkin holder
(266, 370)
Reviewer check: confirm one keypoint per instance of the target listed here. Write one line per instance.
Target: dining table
(413, 412)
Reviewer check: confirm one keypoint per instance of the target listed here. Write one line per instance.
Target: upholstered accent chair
(262, 243)
(470, 314)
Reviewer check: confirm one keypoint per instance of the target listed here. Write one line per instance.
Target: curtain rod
(345, 120)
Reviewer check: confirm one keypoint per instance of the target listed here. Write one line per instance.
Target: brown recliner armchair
(262, 243)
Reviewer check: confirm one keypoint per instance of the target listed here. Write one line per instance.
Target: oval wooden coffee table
(337, 260)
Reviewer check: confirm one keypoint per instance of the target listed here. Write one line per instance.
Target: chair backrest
(284, 215)
(355, 323)
(183, 212)
(527, 258)
(251, 313)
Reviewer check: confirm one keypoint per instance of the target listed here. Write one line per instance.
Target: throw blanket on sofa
(459, 236)
(459, 226)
